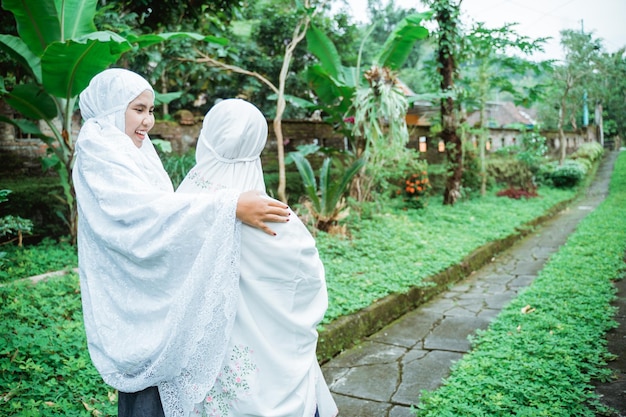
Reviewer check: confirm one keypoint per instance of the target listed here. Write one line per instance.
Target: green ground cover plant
(45, 369)
(397, 249)
(541, 354)
(45, 366)
(27, 261)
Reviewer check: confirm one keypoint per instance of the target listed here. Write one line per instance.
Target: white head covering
(104, 102)
(232, 138)
(109, 94)
(270, 368)
(159, 271)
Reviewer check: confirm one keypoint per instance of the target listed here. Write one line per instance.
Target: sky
(606, 19)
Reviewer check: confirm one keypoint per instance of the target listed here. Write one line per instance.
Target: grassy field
(46, 370)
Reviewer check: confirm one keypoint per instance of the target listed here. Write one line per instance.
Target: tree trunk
(447, 66)
(164, 106)
(298, 34)
(562, 143)
(482, 141)
(454, 152)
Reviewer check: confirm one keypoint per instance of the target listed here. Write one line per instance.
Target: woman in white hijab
(270, 368)
(159, 271)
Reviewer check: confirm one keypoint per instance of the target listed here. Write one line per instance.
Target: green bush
(569, 174)
(590, 151)
(13, 226)
(510, 172)
(471, 179)
(177, 166)
(294, 187)
(543, 176)
(533, 150)
(39, 200)
(437, 176)
(587, 164)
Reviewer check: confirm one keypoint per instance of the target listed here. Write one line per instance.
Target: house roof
(502, 114)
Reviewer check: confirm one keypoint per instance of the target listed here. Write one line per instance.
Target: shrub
(437, 178)
(543, 176)
(294, 188)
(414, 190)
(177, 166)
(38, 199)
(517, 193)
(510, 172)
(590, 151)
(13, 225)
(569, 174)
(471, 179)
(533, 150)
(326, 197)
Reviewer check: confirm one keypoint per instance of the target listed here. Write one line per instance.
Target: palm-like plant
(378, 108)
(326, 201)
(335, 85)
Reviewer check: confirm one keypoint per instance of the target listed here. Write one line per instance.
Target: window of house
(422, 144)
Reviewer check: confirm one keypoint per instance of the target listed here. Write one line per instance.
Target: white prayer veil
(109, 94)
(270, 368)
(159, 271)
(232, 138)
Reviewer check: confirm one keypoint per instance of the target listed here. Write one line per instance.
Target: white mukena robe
(270, 368)
(159, 271)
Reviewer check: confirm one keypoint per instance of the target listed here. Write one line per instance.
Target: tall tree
(608, 93)
(305, 13)
(489, 68)
(448, 41)
(299, 32)
(582, 51)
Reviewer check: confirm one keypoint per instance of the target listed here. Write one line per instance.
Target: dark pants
(146, 403)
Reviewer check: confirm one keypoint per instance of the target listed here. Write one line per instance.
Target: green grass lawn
(45, 365)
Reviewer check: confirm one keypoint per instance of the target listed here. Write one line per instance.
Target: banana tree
(338, 89)
(335, 84)
(61, 49)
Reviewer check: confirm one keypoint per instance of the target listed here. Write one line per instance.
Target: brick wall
(295, 132)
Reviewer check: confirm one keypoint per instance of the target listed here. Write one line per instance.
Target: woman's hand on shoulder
(255, 210)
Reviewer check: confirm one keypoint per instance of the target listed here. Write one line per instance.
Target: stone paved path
(383, 375)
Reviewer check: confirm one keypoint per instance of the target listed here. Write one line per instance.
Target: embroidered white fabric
(159, 271)
(270, 368)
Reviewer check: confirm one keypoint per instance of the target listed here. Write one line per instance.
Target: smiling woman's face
(139, 117)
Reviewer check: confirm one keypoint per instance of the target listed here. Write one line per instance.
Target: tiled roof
(502, 114)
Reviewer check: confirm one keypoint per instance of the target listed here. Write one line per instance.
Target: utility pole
(585, 106)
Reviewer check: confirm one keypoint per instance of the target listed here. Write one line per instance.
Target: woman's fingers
(254, 210)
